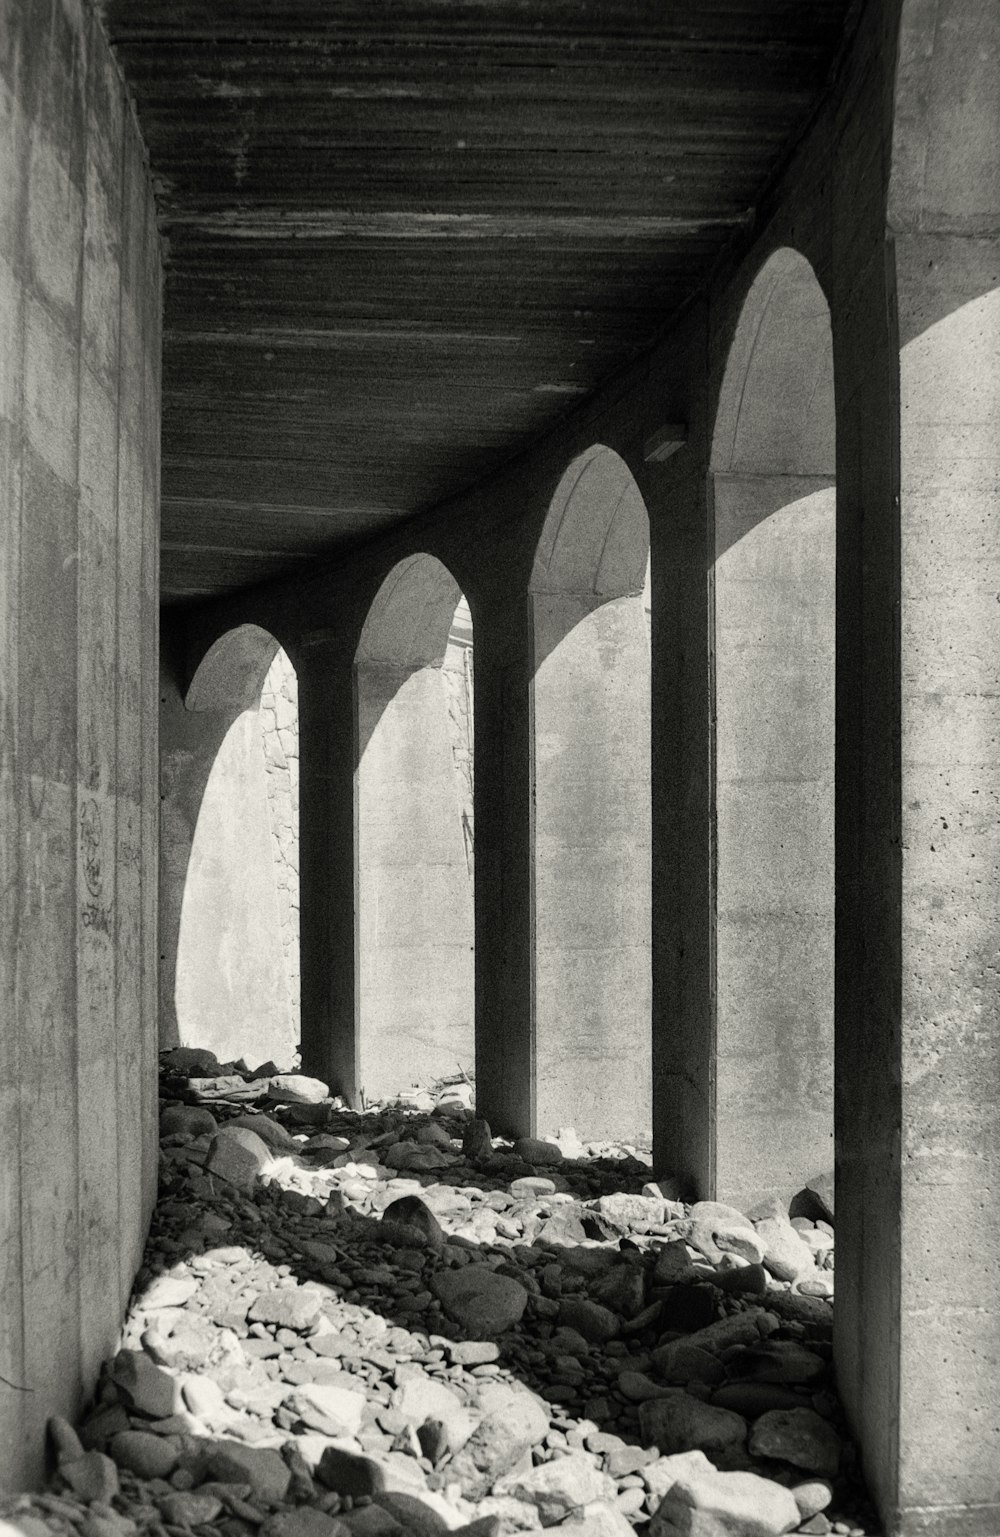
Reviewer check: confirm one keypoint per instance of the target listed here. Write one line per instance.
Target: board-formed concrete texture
(416, 984)
(591, 864)
(79, 485)
(227, 980)
(773, 463)
(417, 277)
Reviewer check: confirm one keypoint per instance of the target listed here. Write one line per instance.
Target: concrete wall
(279, 729)
(590, 713)
(228, 851)
(79, 482)
(414, 875)
(775, 603)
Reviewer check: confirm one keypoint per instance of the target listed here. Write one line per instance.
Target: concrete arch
(590, 709)
(414, 857)
(229, 853)
(772, 486)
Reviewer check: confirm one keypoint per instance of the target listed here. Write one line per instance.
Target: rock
(662, 1473)
(482, 1303)
(537, 1151)
(188, 1508)
(187, 1121)
(799, 1436)
(744, 1328)
(91, 1476)
(714, 1504)
(681, 1423)
(673, 1262)
(296, 1089)
(682, 1362)
(596, 1323)
(230, 1462)
(599, 1518)
(815, 1200)
(777, 1361)
(189, 1061)
(785, 1254)
(149, 1388)
(752, 1399)
(421, 1398)
(347, 1473)
(513, 1423)
(532, 1185)
(65, 1442)
(623, 1290)
(322, 1406)
(237, 1156)
(168, 1292)
(288, 1307)
(477, 1140)
(203, 1397)
(812, 1497)
(472, 1352)
(145, 1455)
(744, 1281)
(268, 1130)
(631, 1211)
(717, 1229)
(555, 1488)
(305, 1521)
(690, 1307)
(412, 1212)
(637, 1387)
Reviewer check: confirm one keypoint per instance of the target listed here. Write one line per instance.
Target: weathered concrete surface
(774, 585)
(416, 995)
(590, 711)
(224, 980)
(79, 486)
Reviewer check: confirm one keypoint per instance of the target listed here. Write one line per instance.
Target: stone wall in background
(279, 730)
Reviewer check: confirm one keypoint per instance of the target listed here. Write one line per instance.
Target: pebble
(381, 1324)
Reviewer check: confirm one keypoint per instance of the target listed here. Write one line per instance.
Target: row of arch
(589, 596)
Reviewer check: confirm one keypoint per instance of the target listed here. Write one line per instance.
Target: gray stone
(189, 1508)
(297, 1089)
(483, 1303)
(717, 1229)
(714, 1504)
(681, 1423)
(412, 1212)
(305, 1521)
(555, 1488)
(323, 1406)
(93, 1476)
(230, 1462)
(145, 1455)
(596, 1323)
(187, 1121)
(799, 1436)
(148, 1387)
(288, 1307)
(537, 1151)
(237, 1156)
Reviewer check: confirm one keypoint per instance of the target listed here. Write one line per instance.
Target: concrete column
(949, 1113)
(505, 1086)
(327, 812)
(683, 1039)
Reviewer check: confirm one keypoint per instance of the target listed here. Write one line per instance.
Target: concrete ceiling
(405, 238)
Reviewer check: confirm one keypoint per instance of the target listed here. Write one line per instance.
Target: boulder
(714, 1504)
(297, 1089)
(237, 1156)
(681, 1423)
(537, 1151)
(799, 1436)
(187, 1121)
(555, 1488)
(481, 1302)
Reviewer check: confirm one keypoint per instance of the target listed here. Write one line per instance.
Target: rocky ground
(393, 1324)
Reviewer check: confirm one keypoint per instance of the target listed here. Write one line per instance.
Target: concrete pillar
(683, 979)
(327, 810)
(505, 1082)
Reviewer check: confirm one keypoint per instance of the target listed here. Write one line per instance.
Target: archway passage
(591, 836)
(414, 833)
(229, 836)
(775, 506)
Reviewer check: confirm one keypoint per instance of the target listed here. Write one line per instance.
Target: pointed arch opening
(591, 805)
(415, 833)
(229, 832)
(774, 497)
